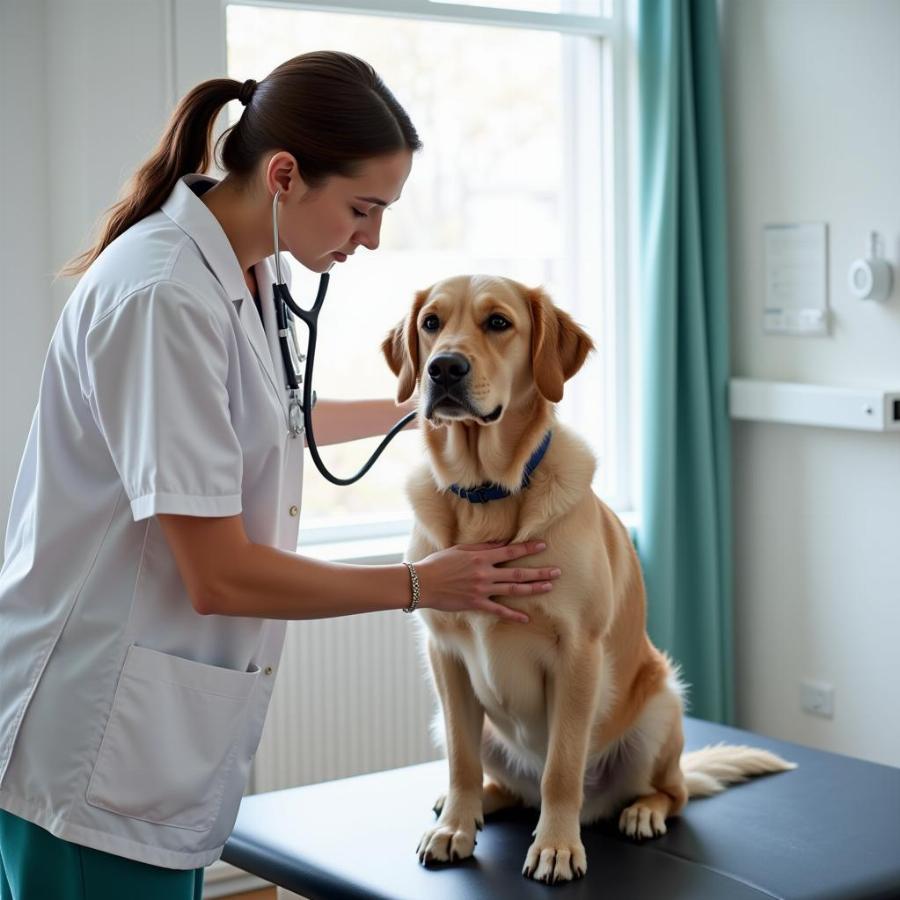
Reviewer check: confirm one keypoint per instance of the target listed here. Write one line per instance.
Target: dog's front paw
(642, 821)
(551, 860)
(453, 836)
(448, 841)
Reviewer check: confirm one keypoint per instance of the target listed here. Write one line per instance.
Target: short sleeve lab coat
(127, 720)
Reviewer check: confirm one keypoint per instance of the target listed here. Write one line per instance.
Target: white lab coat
(127, 720)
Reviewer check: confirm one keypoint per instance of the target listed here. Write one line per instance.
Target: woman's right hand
(467, 578)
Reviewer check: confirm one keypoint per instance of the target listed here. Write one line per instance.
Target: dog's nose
(448, 368)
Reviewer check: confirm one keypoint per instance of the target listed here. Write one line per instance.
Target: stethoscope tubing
(284, 302)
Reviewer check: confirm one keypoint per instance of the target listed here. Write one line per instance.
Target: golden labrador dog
(575, 713)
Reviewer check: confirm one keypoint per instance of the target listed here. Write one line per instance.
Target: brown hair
(330, 110)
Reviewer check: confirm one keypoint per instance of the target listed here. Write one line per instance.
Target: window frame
(199, 51)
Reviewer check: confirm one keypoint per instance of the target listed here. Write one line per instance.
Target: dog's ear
(401, 349)
(558, 345)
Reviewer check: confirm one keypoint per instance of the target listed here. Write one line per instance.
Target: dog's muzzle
(447, 392)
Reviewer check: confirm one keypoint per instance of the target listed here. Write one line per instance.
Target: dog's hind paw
(639, 821)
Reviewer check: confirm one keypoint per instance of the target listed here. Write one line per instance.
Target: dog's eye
(431, 323)
(498, 323)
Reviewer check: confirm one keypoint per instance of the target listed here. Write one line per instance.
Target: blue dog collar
(489, 491)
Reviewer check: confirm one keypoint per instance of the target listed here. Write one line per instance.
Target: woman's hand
(467, 577)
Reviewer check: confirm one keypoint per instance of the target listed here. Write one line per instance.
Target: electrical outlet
(817, 698)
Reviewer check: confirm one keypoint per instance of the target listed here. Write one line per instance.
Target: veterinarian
(150, 559)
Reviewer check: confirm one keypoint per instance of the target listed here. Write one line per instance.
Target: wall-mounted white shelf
(865, 409)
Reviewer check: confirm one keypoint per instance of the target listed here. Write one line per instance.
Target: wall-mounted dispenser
(871, 278)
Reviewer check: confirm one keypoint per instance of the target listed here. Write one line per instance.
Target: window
(518, 103)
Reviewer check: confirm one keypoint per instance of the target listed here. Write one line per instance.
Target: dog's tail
(711, 769)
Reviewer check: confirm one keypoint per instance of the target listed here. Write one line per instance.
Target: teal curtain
(684, 538)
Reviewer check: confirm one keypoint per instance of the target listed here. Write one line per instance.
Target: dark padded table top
(828, 830)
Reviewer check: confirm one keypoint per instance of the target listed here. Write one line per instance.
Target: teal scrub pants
(35, 865)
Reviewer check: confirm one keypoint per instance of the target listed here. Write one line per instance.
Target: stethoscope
(300, 411)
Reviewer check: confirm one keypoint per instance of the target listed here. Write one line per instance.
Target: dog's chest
(504, 663)
(477, 523)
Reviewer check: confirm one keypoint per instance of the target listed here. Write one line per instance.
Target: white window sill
(375, 551)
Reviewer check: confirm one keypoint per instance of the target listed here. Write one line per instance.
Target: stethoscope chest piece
(295, 416)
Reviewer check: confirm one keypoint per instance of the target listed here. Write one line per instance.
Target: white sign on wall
(796, 260)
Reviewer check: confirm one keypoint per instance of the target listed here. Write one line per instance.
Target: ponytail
(183, 148)
(330, 110)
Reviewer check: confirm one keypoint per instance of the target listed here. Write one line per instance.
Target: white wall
(24, 296)
(109, 93)
(87, 88)
(812, 96)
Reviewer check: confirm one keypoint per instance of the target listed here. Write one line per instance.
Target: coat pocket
(170, 740)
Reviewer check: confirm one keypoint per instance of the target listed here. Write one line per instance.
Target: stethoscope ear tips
(275, 242)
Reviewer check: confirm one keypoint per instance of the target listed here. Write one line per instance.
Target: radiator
(352, 695)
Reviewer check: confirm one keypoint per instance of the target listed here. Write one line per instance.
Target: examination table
(828, 830)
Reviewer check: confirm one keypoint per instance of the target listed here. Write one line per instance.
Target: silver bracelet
(414, 579)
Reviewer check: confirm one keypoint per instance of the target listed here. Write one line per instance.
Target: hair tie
(245, 94)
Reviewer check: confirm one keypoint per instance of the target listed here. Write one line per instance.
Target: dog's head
(478, 346)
